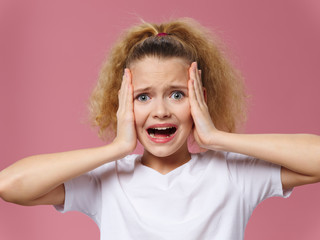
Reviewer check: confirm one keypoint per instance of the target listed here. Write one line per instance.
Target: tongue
(161, 135)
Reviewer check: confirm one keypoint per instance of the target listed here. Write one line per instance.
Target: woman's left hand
(204, 130)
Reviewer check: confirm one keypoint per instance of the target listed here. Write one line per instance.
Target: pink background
(50, 54)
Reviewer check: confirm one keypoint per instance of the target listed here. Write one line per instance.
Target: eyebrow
(146, 89)
(142, 89)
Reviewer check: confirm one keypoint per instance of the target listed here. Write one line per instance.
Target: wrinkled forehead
(152, 71)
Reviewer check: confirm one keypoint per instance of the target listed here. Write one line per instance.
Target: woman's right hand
(39, 179)
(126, 131)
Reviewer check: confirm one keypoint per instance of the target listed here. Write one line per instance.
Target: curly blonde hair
(187, 39)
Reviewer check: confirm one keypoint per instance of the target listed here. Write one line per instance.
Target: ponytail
(183, 38)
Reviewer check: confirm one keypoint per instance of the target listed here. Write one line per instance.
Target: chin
(163, 150)
(159, 151)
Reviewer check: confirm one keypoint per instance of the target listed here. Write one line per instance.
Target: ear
(203, 89)
(205, 94)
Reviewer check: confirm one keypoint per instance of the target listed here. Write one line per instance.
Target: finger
(194, 79)
(120, 92)
(128, 95)
(198, 84)
(191, 93)
(129, 89)
(191, 90)
(122, 96)
(194, 104)
(194, 101)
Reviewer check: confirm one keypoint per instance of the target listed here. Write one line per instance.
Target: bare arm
(33, 177)
(298, 154)
(39, 179)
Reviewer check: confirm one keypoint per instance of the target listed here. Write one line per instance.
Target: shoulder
(128, 162)
(210, 160)
(211, 155)
(221, 155)
(124, 164)
(229, 159)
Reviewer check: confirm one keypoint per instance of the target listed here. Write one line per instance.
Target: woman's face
(161, 105)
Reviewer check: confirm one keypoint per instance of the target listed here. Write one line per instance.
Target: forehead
(153, 71)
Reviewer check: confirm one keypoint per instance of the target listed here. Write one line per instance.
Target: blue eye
(177, 95)
(143, 97)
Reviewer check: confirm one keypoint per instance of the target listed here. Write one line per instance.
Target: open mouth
(161, 132)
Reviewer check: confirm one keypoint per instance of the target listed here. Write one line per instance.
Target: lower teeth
(153, 136)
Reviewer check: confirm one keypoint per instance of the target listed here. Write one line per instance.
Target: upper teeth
(162, 128)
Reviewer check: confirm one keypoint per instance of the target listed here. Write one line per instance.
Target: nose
(160, 110)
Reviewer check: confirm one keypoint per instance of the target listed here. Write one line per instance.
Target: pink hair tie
(162, 34)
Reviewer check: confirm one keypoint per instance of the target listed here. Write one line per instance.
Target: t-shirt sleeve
(83, 194)
(257, 179)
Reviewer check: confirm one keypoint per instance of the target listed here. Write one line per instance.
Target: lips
(162, 133)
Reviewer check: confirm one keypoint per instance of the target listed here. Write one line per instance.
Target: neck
(168, 163)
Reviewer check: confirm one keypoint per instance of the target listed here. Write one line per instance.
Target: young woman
(161, 85)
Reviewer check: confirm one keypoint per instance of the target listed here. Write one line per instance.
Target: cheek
(139, 115)
(184, 113)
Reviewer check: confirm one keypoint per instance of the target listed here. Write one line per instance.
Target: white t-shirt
(210, 197)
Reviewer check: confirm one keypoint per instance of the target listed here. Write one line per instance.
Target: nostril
(161, 112)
